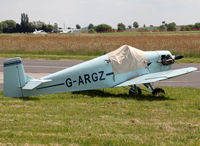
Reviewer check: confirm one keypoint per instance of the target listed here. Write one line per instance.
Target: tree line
(10, 26)
(108, 28)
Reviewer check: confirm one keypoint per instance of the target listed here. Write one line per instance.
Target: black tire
(133, 92)
(158, 91)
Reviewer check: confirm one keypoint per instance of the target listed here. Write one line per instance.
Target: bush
(171, 26)
(92, 31)
(103, 28)
(1, 28)
(121, 27)
(8, 26)
(183, 28)
(135, 24)
(143, 29)
(90, 26)
(197, 26)
(78, 26)
(162, 28)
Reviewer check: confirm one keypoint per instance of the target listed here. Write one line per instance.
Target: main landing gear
(134, 90)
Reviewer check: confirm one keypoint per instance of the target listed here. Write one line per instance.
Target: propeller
(178, 57)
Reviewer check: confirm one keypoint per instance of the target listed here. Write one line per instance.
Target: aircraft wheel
(158, 91)
(138, 91)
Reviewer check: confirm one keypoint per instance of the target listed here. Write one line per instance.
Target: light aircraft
(69, 30)
(126, 66)
(39, 32)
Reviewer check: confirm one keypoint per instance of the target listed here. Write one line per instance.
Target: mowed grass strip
(80, 57)
(102, 117)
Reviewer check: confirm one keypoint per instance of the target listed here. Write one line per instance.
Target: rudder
(14, 78)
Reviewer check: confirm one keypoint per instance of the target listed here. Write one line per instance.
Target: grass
(189, 60)
(48, 57)
(102, 117)
(82, 45)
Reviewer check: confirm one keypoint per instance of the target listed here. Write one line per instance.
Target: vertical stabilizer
(14, 78)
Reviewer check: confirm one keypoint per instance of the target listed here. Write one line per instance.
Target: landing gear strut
(134, 90)
(156, 91)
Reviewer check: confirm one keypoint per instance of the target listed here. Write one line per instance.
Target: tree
(49, 28)
(190, 27)
(129, 27)
(38, 24)
(121, 27)
(144, 25)
(78, 26)
(1, 28)
(44, 27)
(135, 24)
(91, 30)
(90, 26)
(171, 26)
(9, 26)
(31, 27)
(197, 26)
(163, 22)
(18, 28)
(24, 22)
(162, 27)
(103, 28)
(183, 28)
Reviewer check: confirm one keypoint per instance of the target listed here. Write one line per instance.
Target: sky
(68, 13)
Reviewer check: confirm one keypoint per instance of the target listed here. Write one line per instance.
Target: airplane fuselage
(95, 74)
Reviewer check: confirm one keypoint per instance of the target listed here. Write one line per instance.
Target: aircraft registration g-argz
(126, 66)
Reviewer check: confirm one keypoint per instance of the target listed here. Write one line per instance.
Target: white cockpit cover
(126, 59)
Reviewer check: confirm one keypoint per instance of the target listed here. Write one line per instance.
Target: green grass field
(102, 117)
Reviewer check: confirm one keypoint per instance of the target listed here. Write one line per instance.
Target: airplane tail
(14, 78)
(16, 82)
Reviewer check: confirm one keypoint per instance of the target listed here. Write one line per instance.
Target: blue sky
(112, 12)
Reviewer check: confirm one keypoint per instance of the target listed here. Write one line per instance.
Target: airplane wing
(153, 77)
(33, 83)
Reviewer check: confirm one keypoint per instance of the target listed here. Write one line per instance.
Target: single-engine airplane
(126, 66)
(39, 32)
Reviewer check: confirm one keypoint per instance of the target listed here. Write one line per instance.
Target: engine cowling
(168, 59)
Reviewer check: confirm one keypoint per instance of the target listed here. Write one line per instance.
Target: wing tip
(191, 69)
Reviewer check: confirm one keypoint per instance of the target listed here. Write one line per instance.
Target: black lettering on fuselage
(87, 78)
(80, 81)
(101, 78)
(94, 77)
(68, 82)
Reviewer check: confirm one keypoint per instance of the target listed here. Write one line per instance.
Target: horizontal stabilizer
(33, 83)
(153, 77)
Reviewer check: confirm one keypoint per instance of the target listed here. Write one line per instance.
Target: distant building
(68, 30)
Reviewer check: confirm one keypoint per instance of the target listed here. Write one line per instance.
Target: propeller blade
(178, 57)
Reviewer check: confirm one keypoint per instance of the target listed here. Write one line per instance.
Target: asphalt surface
(39, 68)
